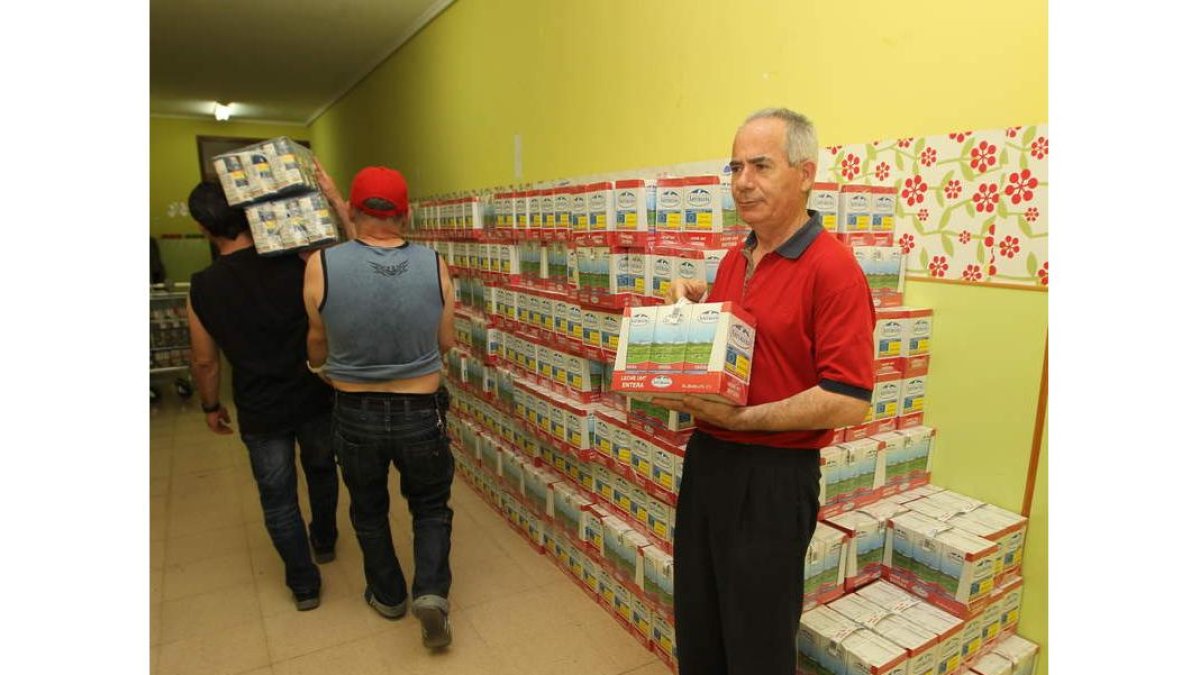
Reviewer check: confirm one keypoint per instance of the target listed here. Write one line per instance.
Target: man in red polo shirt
(748, 503)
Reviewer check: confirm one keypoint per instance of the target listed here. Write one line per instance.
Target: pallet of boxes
(275, 182)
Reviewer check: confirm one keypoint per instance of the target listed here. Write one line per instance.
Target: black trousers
(745, 516)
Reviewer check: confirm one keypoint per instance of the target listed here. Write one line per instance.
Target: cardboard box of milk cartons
(824, 199)
(837, 478)
(869, 653)
(947, 627)
(819, 641)
(1020, 652)
(658, 576)
(670, 339)
(918, 451)
(824, 565)
(635, 349)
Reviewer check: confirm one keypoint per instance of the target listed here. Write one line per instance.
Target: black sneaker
(389, 612)
(433, 611)
(307, 600)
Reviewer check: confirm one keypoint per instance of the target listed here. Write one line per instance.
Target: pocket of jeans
(428, 462)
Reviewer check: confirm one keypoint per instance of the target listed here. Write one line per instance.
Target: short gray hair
(801, 136)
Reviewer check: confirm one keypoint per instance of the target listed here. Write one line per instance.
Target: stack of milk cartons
(276, 182)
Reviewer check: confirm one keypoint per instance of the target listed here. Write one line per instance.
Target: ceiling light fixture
(222, 111)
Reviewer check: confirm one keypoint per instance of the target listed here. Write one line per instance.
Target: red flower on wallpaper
(1020, 186)
(914, 190)
(986, 198)
(938, 266)
(923, 215)
(990, 240)
(973, 273)
(1040, 148)
(850, 166)
(882, 171)
(1031, 214)
(835, 149)
(904, 142)
(960, 136)
(928, 156)
(983, 156)
(907, 242)
(1044, 273)
(1012, 131)
(1010, 247)
(953, 189)
(964, 237)
(992, 266)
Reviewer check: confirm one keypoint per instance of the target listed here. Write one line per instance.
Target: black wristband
(210, 408)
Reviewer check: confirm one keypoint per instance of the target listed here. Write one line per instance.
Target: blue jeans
(273, 460)
(372, 432)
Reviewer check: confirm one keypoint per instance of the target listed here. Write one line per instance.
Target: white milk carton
(712, 261)
(918, 450)
(955, 563)
(661, 519)
(837, 477)
(864, 555)
(948, 629)
(916, 331)
(819, 640)
(823, 198)
(920, 644)
(634, 350)
(579, 209)
(661, 270)
(1005, 528)
(912, 395)
(859, 610)
(992, 664)
(824, 563)
(634, 204)
(868, 653)
(637, 283)
(658, 575)
(1020, 652)
(702, 210)
(883, 209)
(601, 213)
(854, 208)
(862, 461)
(669, 209)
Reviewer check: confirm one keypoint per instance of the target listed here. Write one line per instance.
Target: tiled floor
(218, 604)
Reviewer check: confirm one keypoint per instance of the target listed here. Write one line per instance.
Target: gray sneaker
(390, 612)
(433, 611)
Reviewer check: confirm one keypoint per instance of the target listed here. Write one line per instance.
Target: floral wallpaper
(971, 205)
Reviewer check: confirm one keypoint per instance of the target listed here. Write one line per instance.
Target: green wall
(175, 170)
(595, 87)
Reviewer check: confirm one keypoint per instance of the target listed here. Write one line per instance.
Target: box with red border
(854, 208)
(916, 331)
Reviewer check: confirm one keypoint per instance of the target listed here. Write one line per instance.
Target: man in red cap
(381, 312)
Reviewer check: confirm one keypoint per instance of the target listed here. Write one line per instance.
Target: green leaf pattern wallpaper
(970, 205)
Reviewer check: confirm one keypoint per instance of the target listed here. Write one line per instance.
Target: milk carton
(889, 596)
(884, 269)
(590, 327)
(1005, 528)
(824, 564)
(661, 270)
(837, 476)
(568, 504)
(702, 209)
(864, 554)
(869, 653)
(641, 618)
(1008, 598)
(636, 344)
(919, 449)
(621, 545)
(916, 330)
(634, 205)
(660, 519)
(637, 283)
(671, 330)
(688, 264)
(562, 207)
(920, 644)
(534, 210)
(854, 208)
(601, 211)
(948, 629)
(549, 217)
(669, 209)
(883, 209)
(959, 565)
(234, 178)
(1020, 652)
(885, 397)
(658, 575)
(992, 664)
(893, 457)
(823, 198)
(889, 331)
(642, 456)
(663, 634)
(859, 610)
(819, 641)
(912, 395)
(579, 209)
(862, 461)
(712, 261)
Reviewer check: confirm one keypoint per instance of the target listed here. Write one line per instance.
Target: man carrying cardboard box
(748, 504)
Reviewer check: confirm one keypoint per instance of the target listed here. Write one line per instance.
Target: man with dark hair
(252, 308)
(748, 502)
(381, 314)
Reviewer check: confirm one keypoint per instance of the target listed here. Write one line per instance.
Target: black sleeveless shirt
(253, 306)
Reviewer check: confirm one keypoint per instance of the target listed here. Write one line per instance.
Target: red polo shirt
(815, 326)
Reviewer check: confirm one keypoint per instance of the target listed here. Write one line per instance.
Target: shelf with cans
(170, 346)
(590, 477)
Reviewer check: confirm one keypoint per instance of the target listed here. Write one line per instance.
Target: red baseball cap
(380, 183)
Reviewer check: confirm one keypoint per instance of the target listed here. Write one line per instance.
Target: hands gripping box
(729, 332)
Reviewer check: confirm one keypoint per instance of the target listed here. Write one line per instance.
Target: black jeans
(371, 433)
(273, 460)
(745, 516)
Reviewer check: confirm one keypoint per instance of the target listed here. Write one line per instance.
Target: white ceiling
(274, 60)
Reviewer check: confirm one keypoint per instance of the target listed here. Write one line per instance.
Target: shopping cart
(170, 346)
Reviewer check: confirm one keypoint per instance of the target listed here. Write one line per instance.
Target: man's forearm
(318, 349)
(813, 408)
(207, 376)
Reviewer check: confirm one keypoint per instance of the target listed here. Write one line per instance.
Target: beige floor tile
(155, 623)
(154, 652)
(209, 544)
(360, 657)
(191, 519)
(481, 583)
(620, 648)
(402, 649)
(275, 597)
(262, 671)
(210, 481)
(160, 464)
(572, 603)
(209, 613)
(195, 457)
(156, 584)
(202, 576)
(239, 649)
(158, 553)
(656, 667)
(335, 622)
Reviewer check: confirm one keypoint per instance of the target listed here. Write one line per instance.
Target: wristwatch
(210, 408)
